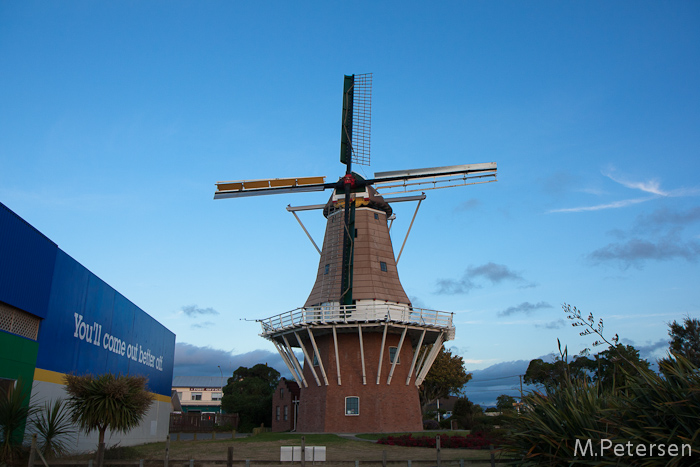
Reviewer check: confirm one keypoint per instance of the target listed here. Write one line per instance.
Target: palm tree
(14, 410)
(107, 401)
(54, 427)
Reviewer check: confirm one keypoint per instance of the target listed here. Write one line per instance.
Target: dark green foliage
(431, 425)
(505, 402)
(249, 394)
(466, 413)
(107, 401)
(54, 428)
(619, 400)
(446, 376)
(685, 339)
(607, 368)
(14, 410)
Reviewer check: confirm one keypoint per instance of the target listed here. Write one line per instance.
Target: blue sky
(117, 118)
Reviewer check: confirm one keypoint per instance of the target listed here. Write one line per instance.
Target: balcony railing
(335, 314)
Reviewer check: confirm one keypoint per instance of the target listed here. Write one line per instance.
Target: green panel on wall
(17, 357)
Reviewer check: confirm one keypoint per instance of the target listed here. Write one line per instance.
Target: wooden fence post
(167, 451)
(229, 457)
(437, 448)
(303, 451)
(32, 452)
(493, 458)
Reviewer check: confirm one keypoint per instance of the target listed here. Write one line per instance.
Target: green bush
(650, 409)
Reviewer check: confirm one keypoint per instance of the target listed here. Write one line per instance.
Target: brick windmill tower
(366, 349)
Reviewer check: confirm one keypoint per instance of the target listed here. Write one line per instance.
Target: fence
(206, 422)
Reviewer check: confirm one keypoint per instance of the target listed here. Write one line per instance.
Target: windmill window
(392, 355)
(314, 361)
(327, 269)
(352, 405)
(286, 412)
(382, 265)
(376, 216)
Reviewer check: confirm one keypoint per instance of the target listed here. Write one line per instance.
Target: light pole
(222, 385)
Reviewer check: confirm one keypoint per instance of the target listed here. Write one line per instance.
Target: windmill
(358, 318)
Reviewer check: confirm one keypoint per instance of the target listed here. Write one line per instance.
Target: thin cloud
(600, 207)
(635, 252)
(453, 287)
(194, 310)
(525, 307)
(653, 187)
(205, 324)
(492, 272)
(650, 186)
(468, 205)
(558, 324)
(666, 217)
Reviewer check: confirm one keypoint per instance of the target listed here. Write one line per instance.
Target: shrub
(431, 425)
(650, 409)
(476, 440)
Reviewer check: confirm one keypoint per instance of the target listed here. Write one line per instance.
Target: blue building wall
(26, 264)
(98, 330)
(86, 325)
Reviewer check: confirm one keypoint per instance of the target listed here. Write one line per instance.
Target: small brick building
(285, 403)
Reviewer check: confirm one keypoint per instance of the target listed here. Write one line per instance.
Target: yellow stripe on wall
(55, 377)
(48, 376)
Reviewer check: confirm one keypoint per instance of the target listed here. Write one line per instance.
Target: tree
(54, 428)
(106, 401)
(685, 339)
(446, 376)
(14, 410)
(465, 412)
(249, 394)
(608, 368)
(505, 402)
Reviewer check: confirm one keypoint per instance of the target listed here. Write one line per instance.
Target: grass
(416, 434)
(266, 446)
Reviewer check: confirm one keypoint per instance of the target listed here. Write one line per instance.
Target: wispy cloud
(492, 272)
(666, 217)
(636, 251)
(558, 324)
(204, 325)
(650, 186)
(194, 310)
(468, 205)
(599, 207)
(525, 307)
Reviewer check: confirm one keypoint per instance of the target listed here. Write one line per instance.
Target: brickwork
(373, 250)
(283, 407)
(382, 407)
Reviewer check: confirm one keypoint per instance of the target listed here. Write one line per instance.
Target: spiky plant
(14, 410)
(662, 410)
(106, 401)
(54, 428)
(546, 429)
